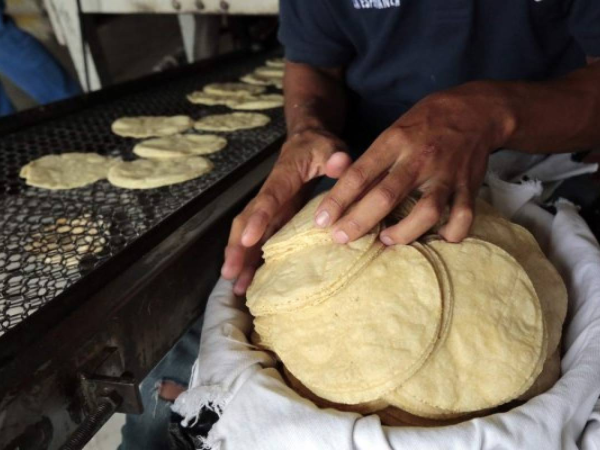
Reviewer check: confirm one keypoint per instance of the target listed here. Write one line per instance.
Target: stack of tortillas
(240, 96)
(269, 75)
(431, 330)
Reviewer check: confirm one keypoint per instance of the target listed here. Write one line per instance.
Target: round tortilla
(521, 245)
(495, 348)
(309, 274)
(179, 146)
(365, 339)
(303, 391)
(547, 378)
(257, 102)
(232, 121)
(261, 80)
(203, 98)
(302, 222)
(278, 63)
(267, 71)
(148, 174)
(150, 126)
(233, 89)
(67, 170)
(249, 102)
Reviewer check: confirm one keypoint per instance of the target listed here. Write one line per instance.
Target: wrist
(499, 103)
(309, 131)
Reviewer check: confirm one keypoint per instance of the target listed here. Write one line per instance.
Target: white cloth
(258, 411)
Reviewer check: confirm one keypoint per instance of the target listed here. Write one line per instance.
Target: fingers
(426, 213)
(374, 206)
(234, 252)
(337, 164)
(461, 216)
(354, 181)
(247, 273)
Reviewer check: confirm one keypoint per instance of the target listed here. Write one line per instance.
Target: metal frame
(71, 22)
(142, 312)
(61, 368)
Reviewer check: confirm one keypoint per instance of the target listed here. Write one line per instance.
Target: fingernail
(340, 237)
(322, 219)
(386, 240)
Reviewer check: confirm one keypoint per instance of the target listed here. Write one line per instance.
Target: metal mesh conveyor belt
(50, 240)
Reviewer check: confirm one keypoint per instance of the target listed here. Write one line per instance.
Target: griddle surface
(113, 218)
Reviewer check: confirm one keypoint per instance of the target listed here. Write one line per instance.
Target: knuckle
(238, 221)
(387, 196)
(430, 150)
(430, 214)
(268, 200)
(356, 177)
(333, 203)
(464, 214)
(262, 215)
(394, 136)
(353, 226)
(457, 236)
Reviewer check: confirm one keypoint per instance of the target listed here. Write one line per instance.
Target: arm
(556, 116)
(441, 147)
(314, 109)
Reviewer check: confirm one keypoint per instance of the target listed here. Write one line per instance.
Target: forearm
(556, 116)
(314, 99)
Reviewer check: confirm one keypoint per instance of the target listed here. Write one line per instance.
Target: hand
(305, 156)
(439, 147)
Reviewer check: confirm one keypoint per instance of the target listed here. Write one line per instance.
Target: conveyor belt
(52, 240)
(97, 283)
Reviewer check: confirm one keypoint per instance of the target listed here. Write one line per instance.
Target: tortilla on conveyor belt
(151, 173)
(440, 332)
(180, 146)
(67, 170)
(232, 122)
(151, 126)
(249, 102)
(233, 89)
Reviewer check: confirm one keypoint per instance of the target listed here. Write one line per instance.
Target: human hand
(305, 156)
(439, 147)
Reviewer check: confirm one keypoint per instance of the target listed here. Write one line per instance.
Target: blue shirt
(397, 51)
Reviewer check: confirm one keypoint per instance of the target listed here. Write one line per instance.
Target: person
(30, 66)
(420, 91)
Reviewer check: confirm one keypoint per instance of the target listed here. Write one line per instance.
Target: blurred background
(97, 43)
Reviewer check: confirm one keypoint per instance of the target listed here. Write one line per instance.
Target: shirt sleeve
(584, 24)
(310, 34)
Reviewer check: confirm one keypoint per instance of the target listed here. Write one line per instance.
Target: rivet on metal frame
(176, 4)
(224, 5)
(199, 5)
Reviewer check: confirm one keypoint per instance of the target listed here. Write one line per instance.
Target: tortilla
(148, 174)
(67, 170)
(367, 338)
(278, 63)
(203, 98)
(522, 246)
(497, 329)
(309, 275)
(180, 146)
(232, 121)
(267, 71)
(233, 89)
(150, 126)
(262, 80)
(257, 102)
(303, 391)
